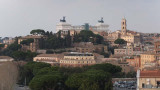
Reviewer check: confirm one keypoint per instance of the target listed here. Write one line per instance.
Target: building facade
(48, 58)
(148, 80)
(135, 62)
(127, 35)
(146, 58)
(34, 46)
(75, 59)
(157, 47)
(64, 27)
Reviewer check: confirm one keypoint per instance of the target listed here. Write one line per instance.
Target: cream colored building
(127, 50)
(75, 59)
(65, 28)
(148, 80)
(127, 35)
(48, 58)
(146, 58)
(115, 61)
(131, 38)
(112, 37)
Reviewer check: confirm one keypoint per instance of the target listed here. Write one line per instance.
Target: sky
(19, 17)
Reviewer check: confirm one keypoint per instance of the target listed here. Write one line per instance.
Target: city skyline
(19, 17)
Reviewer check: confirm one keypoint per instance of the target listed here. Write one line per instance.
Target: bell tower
(123, 26)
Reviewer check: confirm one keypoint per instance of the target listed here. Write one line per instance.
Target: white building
(64, 27)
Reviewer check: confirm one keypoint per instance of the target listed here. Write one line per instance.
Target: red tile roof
(150, 74)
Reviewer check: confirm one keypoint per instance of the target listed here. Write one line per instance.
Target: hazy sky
(19, 17)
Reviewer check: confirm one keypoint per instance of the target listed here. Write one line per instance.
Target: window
(143, 85)
(158, 83)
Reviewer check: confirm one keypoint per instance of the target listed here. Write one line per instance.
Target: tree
(42, 76)
(38, 32)
(131, 75)
(88, 36)
(54, 41)
(89, 80)
(2, 45)
(89, 86)
(106, 67)
(29, 70)
(10, 49)
(14, 47)
(47, 78)
(23, 56)
(46, 82)
(119, 41)
(19, 55)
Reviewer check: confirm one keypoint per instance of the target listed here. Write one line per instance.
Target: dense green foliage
(28, 41)
(13, 50)
(106, 67)
(89, 80)
(2, 45)
(41, 76)
(10, 49)
(54, 41)
(38, 32)
(88, 36)
(24, 56)
(29, 70)
(119, 41)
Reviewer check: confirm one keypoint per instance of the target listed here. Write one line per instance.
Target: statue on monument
(101, 21)
(63, 20)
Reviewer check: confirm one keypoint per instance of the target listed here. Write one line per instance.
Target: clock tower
(123, 26)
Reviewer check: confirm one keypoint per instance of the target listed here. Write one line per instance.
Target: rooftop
(150, 74)
(32, 36)
(78, 54)
(49, 55)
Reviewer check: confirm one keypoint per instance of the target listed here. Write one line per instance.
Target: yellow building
(131, 38)
(148, 80)
(127, 35)
(75, 59)
(146, 58)
(48, 58)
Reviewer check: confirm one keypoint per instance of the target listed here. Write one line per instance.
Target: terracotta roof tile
(154, 73)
